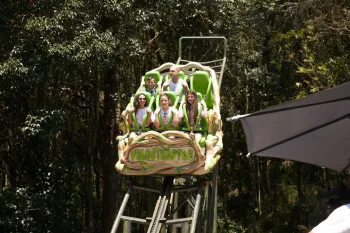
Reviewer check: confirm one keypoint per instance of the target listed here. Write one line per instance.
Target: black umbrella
(314, 129)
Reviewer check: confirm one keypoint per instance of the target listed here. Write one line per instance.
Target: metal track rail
(218, 65)
(161, 206)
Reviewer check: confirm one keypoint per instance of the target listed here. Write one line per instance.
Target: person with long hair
(192, 107)
(140, 107)
(163, 112)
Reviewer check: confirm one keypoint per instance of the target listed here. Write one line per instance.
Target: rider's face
(150, 83)
(142, 100)
(173, 72)
(190, 98)
(164, 101)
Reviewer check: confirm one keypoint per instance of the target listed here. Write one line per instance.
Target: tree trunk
(96, 174)
(109, 151)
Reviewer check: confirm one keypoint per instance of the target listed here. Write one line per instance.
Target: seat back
(201, 83)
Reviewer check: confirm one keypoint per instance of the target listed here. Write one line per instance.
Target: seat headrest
(201, 75)
(181, 75)
(155, 74)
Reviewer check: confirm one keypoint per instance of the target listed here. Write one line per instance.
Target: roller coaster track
(159, 218)
(161, 206)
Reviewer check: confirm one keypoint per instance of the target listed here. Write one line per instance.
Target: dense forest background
(68, 67)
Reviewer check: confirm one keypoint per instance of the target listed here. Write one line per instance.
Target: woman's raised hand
(130, 108)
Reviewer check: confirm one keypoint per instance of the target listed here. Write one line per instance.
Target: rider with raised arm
(140, 107)
(163, 112)
(175, 82)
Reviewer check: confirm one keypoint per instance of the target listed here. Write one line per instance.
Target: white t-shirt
(174, 86)
(139, 115)
(337, 222)
(165, 115)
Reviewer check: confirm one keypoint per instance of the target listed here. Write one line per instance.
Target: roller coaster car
(145, 151)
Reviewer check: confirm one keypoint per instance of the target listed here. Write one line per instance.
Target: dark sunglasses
(142, 98)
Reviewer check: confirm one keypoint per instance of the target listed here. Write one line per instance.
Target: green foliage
(230, 226)
(13, 67)
(49, 205)
(48, 121)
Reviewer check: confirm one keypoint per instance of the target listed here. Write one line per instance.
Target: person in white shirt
(164, 112)
(175, 82)
(337, 222)
(140, 107)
